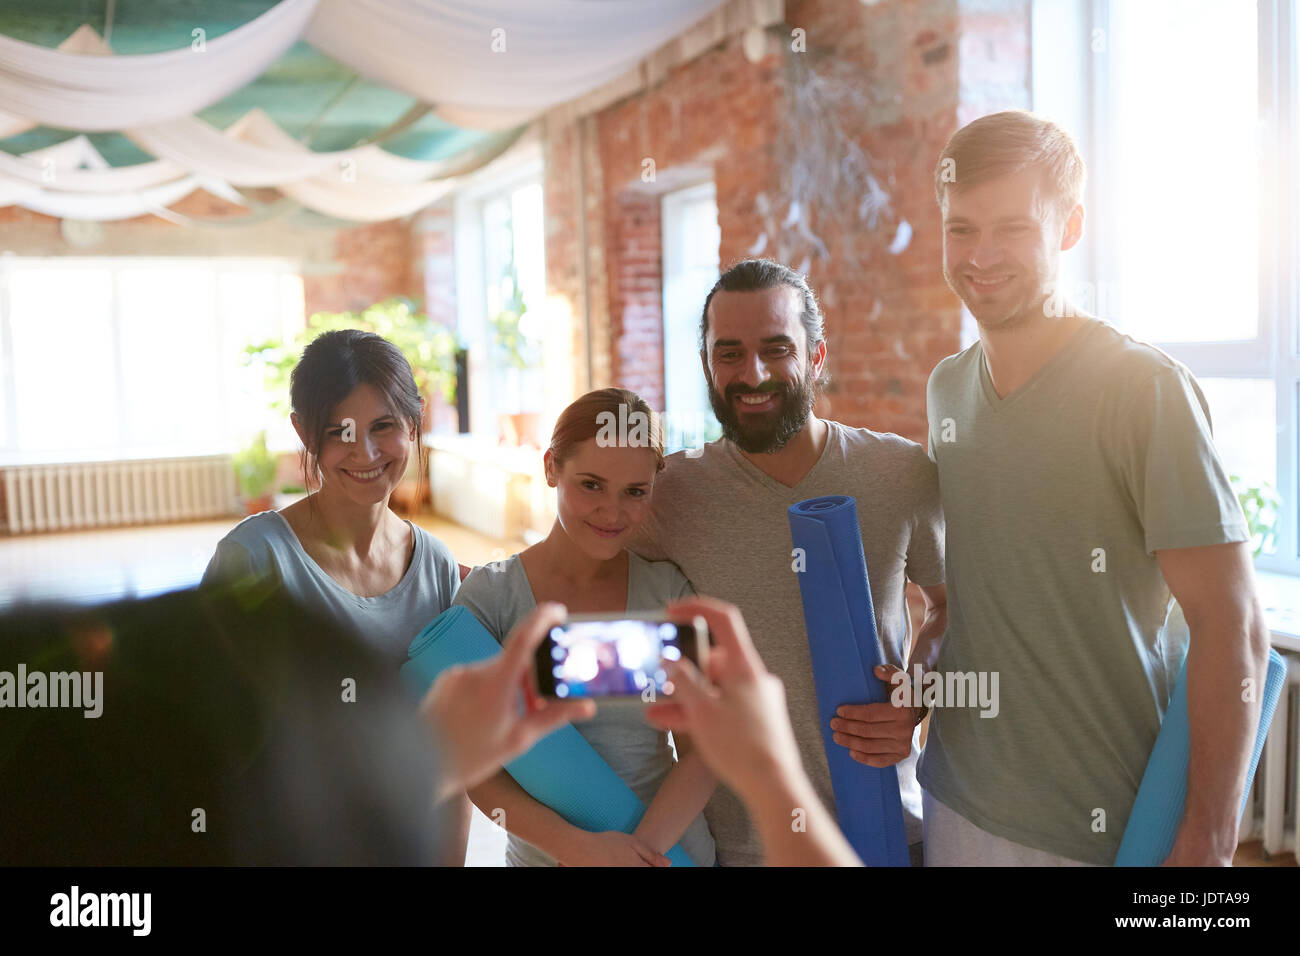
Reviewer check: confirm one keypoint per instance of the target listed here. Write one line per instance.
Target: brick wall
(636, 295)
(822, 155)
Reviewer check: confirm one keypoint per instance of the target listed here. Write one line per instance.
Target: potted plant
(1259, 503)
(255, 469)
(519, 354)
(428, 346)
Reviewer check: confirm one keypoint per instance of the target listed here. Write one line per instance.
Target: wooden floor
(94, 566)
(101, 565)
(1252, 853)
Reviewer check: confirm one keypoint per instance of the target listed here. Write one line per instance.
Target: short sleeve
(230, 565)
(925, 554)
(450, 581)
(1173, 472)
(475, 594)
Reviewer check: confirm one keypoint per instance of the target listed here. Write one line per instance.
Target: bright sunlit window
(131, 357)
(1191, 157)
(1185, 172)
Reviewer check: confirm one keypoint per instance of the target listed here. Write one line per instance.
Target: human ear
(1073, 228)
(298, 427)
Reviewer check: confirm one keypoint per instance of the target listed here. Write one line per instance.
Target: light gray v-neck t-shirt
(499, 595)
(1058, 497)
(264, 548)
(726, 525)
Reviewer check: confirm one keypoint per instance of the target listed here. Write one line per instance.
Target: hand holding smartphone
(617, 657)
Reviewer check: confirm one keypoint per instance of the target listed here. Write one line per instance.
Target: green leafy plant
(428, 346)
(519, 349)
(1260, 503)
(255, 468)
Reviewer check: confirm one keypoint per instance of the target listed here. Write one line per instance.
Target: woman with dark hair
(603, 482)
(340, 550)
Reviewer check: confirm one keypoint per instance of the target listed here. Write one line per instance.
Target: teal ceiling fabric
(322, 103)
(361, 110)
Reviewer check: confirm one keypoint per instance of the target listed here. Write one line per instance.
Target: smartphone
(617, 657)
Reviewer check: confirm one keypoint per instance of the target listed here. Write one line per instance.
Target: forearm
(681, 798)
(793, 825)
(451, 827)
(929, 639)
(1225, 651)
(509, 805)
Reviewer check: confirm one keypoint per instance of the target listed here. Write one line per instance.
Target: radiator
(1271, 810)
(103, 494)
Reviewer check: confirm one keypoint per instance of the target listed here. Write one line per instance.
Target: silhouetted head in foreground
(227, 734)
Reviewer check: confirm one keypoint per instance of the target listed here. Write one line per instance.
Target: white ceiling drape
(92, 93)
(494, 63)
(491, 64)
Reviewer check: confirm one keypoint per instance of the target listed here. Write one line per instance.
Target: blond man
(1081, 488)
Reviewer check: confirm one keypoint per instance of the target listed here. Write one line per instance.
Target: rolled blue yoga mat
(841, 625)
(562, 770)
(1158, 810)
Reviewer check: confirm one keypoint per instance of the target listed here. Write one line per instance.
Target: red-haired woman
(603, 495)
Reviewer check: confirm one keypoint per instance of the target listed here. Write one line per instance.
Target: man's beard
(768, 432)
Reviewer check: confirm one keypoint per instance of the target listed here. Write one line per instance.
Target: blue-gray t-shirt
(265, 549)
(499, 595)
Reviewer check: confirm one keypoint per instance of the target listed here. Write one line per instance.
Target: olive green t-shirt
(1057, 497)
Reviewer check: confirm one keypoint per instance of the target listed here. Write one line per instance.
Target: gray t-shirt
(1057, 497)
(263, 550)
(499, 595)
(726, 524)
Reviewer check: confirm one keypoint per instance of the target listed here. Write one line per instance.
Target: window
(1186, 116)
(110, 358)
(691, 239)
(501, 297)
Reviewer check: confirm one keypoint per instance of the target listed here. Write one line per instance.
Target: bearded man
(720, 513)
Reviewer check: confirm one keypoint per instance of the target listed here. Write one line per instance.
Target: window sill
(1280, 596)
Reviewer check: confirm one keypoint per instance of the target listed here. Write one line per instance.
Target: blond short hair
(1009, 142)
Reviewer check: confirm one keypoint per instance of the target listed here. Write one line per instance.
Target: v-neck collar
(1066, 348)
(770, 483)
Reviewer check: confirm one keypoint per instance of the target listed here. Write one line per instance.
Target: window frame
(1274, 353)
(522, 167)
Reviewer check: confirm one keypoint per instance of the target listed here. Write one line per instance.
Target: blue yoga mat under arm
(1158, 810)
(562, 770)
(841, 625)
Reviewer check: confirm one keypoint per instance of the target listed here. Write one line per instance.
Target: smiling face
(1002, 247)
(367, 469)
(603, 494)
(759, 371)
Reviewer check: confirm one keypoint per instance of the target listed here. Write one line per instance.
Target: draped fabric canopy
(484, 64)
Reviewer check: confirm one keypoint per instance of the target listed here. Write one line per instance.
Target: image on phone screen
(610, 658)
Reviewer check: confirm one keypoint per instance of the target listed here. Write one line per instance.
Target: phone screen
(611, 658)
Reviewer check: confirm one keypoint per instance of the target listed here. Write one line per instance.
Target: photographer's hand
(739, 723)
